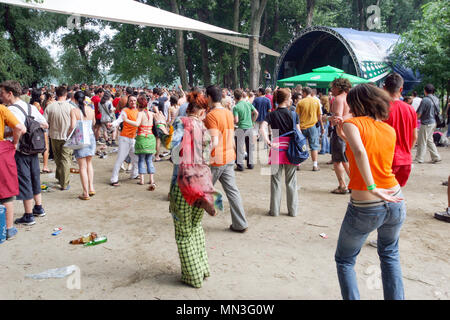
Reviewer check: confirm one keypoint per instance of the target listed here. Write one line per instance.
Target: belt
(371, 203)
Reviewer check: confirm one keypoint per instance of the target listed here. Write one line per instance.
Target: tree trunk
(235, 54)
(180, 48)
(362, 21)
(206, 73)
(257, 10)
(310, 12)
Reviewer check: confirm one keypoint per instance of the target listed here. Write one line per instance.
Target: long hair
(36, 96)
(80, 97)
(281, 95)
(368, 100)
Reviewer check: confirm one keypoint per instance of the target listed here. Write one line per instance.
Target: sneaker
(436, 161)
(66, 188)
(114, 144)
(11, 233)
(250, 166)
(416, 161)
(27, 220)
(445, 183)
(38, 213)
(443, 216)
(239, 167)
(108, 143)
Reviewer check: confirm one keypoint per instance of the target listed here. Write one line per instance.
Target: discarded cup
(324, 235)
(56, 233)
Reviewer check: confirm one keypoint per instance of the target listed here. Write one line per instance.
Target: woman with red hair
(191, 190)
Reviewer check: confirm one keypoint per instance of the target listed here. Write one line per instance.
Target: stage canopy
(361, 53)
(133, 12)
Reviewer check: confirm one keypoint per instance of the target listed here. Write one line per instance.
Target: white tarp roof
(133, 12)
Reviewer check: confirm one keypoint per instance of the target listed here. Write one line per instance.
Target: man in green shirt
(245, 115)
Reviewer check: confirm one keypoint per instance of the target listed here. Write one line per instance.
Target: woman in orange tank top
(376, 199)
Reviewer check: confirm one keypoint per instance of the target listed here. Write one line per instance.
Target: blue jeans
(146, 160)
(387, 218)
(325, 140)
(312, 134)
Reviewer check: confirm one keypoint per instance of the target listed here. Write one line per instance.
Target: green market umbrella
(320, 78)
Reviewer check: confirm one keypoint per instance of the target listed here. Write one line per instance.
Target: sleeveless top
(379, 141)
(145, 130)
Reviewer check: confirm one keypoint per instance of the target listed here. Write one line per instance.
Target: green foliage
(425, 47)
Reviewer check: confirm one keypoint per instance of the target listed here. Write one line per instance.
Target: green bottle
(96, 241)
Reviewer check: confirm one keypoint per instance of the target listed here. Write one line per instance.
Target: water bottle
(2, 224)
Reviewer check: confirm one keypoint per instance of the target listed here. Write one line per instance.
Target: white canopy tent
(133, 12)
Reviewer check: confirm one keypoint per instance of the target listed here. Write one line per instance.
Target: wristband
(160, 124)
(371, 187)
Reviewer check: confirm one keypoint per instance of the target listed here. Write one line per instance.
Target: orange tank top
(128, 130)
(379, 141)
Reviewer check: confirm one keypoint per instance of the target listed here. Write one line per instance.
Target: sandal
(81, 197)
(115, 184)
(152, 187)
(91, 193)
(339, 190)
(73, 170)
(140, 183)
(46, 171)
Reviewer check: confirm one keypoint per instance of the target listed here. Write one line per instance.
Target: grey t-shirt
(427, 109)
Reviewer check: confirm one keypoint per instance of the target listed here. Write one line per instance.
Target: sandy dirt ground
(278, 258)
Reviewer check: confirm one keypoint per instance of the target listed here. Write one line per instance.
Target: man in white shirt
(28, 170)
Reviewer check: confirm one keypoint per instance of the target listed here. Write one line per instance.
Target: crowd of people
(209, 134)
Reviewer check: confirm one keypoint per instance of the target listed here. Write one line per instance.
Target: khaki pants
(424, 141)
(63, 158)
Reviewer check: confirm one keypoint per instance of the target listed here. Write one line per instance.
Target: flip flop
(140, 183)
(115, 184)
(91, 193)
(47, 171)
(152, 187)
(83, 197)
(339, 190)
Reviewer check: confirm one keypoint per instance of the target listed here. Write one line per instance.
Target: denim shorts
(312, 134)
(29, 174)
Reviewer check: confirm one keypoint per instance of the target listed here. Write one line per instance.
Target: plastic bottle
(2, 224)
(96, 241)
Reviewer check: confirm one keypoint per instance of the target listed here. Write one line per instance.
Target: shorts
(98, 122)
(337, 145)
(312, 134)
(402, 173)
(6, 200)
(29, 174)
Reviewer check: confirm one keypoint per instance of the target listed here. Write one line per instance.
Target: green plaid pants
(190, 239)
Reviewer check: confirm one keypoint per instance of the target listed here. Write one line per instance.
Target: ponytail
(80, 97)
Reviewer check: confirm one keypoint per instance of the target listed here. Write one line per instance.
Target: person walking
(126, 141)
(281, 121)
(245, 115)
(84, 155)
(28, 171)
(58, 117)
(308, 110)
(376, 201)
(191, 189)
(428, 109)
(403, 118)
(220, 124)
(37, 99)
(145, 146)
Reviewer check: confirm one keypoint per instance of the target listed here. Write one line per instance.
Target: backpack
(297, 151)
(33, 141)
